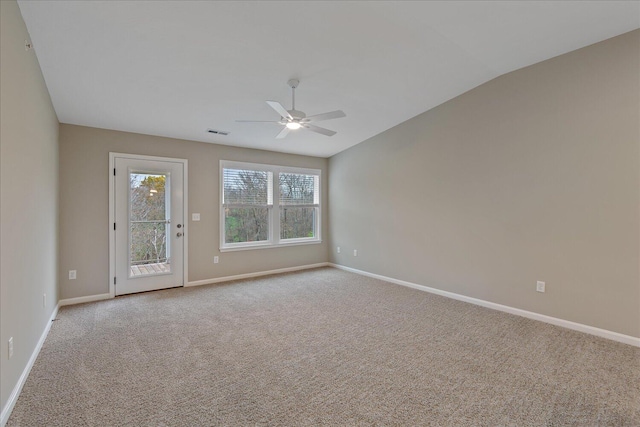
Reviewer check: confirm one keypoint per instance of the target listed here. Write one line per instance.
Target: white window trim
(274, 240)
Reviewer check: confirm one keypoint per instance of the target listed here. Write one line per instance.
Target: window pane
(247, 187)
(246, 224)
(297, 222)
(297, 189)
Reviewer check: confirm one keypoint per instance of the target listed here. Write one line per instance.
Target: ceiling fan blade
(326, 116)
(283, 133)
(319, 129)
(258, 121)
(280, 109)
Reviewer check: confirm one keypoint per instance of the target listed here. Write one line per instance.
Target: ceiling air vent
(217, 132)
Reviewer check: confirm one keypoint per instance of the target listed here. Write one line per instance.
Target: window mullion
(299, 205)
(247, 205)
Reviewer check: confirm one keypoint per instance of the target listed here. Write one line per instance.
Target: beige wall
(531, 176)
(84, 202)
(28, 199)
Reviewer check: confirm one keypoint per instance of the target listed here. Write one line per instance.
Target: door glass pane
(149, 224)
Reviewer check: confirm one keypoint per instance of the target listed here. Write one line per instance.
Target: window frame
(273, 235)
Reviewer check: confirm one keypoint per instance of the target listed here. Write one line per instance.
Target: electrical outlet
(338, 250)
(10, 347)
(216, 259)
(355, 252)
(44, 300)
(72, 274)
(540, 286)
(195, 217)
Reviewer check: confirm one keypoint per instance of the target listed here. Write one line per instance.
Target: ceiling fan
(294, 119)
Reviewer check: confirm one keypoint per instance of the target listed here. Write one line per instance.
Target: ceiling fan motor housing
(297, 114)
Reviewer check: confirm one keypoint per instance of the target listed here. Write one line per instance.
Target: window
(249, 216)
(299, 204)
(247, 199)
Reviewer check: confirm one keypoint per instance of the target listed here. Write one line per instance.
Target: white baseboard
(15, 393)
(80, 300)
(99, 297)
(615, 336)
(256, 274)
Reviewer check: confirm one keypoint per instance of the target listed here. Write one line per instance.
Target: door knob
(179, 234)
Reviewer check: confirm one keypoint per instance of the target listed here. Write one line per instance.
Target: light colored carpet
(320, 347)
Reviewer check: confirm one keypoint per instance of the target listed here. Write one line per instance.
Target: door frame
(112, 213)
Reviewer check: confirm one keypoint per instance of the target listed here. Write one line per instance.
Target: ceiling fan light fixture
(294, 125)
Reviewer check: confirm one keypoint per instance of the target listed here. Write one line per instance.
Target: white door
(149, 228)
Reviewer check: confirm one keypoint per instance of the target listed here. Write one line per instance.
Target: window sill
(271, 246)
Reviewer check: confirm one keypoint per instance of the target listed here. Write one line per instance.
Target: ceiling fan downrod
(293, 84)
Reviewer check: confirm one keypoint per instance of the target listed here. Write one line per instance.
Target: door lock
(179, 225)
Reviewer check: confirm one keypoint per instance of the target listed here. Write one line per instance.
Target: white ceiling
(176, 68)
